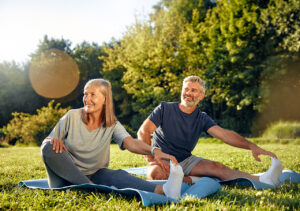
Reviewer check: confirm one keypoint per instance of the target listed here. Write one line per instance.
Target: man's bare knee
(210, 168)
(156, 173)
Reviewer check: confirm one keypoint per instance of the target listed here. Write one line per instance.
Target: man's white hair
(195, 79)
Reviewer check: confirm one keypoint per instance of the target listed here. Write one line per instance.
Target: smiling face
(191, 94)
(93, 100)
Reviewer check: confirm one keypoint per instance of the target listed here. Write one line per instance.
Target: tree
(148, 55)
(230, 45)
(234, 52)
(47, 44)
(16, 93)
(280, 80)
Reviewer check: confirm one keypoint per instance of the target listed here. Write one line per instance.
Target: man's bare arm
(234, 139)
(144, 134)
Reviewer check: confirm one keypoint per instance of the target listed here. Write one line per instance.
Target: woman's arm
(59, 132)
(139, 147)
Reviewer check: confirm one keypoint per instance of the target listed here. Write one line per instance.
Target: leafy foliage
(148, 55)
(233, 45)
(47, 44)
(280, 130)
(32, 129)
(16, 93)
(243, 49)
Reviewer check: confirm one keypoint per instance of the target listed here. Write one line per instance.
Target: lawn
(24, 163)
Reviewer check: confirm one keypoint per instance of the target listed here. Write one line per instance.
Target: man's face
(191, 94)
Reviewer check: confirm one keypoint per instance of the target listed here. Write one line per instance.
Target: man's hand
(160, 156)
(256, 151)
(58, 145)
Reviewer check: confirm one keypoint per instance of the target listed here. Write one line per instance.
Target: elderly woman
(78, 148)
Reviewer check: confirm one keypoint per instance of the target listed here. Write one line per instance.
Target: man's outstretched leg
(273, 174)
(215, 169)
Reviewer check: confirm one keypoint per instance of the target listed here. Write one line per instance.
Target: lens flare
(282, 101)
(53, 74)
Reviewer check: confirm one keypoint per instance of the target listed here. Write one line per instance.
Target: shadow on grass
(107, 193)
(3, 146)
(8, 187)
(269, 198)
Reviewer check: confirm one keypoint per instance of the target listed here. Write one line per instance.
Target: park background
(247, 52)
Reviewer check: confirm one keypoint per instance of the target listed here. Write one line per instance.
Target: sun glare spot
(53, 74)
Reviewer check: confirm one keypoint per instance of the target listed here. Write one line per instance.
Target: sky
(23, 23)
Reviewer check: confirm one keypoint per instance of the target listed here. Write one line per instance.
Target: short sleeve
(119, 134)
(208, 122)
(61, 128)
(156, 115)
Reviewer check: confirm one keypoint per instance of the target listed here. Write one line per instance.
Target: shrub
(2, 136)
(282, 130)
(32, 129)
(130, 131)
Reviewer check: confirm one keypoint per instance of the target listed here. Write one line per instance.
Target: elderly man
(176, 128)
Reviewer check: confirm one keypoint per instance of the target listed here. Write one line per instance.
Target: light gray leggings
(62, 171)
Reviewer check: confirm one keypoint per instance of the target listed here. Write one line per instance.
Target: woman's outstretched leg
(121, 179)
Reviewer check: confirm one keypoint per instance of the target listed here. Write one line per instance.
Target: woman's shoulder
(116, 126)
(74, 112)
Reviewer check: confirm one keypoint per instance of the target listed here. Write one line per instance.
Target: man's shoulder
(169, 107)
(168, 104)
(204, 117)
(202, 113)
(164, 108)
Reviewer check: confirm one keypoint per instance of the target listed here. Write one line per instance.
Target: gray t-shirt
(89, 149)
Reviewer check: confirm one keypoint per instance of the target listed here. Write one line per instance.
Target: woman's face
(93, 100)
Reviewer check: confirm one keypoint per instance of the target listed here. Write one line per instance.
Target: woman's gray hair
(195, 79)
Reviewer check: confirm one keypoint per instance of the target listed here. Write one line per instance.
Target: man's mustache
(185, 96)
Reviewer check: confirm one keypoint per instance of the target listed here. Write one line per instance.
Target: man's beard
(189, 104)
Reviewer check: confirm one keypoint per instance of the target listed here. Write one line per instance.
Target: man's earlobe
(202, 95)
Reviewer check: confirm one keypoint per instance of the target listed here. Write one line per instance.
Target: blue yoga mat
(202, 188)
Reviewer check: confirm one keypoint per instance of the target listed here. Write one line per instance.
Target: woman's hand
(58, 145)
(160, 156)
(149, 158)
(139, 147)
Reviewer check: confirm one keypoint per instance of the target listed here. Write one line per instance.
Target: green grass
(282, 129)
(24, 163)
